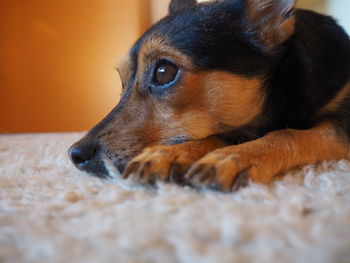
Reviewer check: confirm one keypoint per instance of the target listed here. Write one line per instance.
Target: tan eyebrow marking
(156, 47)
(124, 70)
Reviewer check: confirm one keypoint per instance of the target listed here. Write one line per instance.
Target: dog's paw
(159, 163)
(227, 170)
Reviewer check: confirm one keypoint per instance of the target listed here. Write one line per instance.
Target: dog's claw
(129, 169)
(240, 181)
(159, 163)
(219, 173)
(143, 171)
(151, 180)
(176, 174)
(140, 172)
(194, 171)
(202, 176)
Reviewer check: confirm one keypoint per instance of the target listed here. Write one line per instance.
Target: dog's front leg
(169, 162)
(229, 168)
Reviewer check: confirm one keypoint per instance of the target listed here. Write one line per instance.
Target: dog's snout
(89, 156)
(81, 154)
(85, 156)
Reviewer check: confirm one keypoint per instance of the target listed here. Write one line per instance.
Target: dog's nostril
(81, 154)
(76, 158)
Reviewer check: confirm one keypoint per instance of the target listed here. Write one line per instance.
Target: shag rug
(50, 212)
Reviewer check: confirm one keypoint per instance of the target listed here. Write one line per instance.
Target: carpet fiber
(50, 212)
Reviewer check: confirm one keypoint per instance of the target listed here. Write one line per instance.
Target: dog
(224, 92)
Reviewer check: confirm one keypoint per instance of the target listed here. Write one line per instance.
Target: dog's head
(197, 72)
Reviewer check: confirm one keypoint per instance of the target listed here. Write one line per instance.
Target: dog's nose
(81, 154)
(86, 156)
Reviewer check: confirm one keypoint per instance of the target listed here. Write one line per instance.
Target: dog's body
(220, 92)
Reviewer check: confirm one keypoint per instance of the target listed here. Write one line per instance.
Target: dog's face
(198, 72)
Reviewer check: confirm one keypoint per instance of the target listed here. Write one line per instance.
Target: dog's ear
(272, 20)
(177, 5)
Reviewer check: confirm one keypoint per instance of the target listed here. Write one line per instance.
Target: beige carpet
(50, 212)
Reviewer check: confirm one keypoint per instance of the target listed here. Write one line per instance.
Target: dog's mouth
(94, 167)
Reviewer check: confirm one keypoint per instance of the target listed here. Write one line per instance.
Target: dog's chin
(102, 175)
(114, 171)
(95, 168)
(104, 168)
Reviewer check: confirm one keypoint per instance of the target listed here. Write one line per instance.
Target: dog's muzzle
(86, 157)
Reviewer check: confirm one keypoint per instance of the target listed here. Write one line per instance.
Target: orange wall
(57, 60)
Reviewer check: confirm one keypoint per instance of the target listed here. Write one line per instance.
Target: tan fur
(333, 104)
(124, 70)
(232, 99)
(264, 158)
(162, 161)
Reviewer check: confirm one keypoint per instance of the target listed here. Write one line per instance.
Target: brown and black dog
(224, 91)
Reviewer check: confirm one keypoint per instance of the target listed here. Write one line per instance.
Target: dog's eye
(165, 73)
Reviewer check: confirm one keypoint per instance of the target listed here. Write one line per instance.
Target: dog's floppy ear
(272, 20)
(177, 5)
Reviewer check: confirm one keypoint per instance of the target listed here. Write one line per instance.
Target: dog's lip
(94, 167)
(101, 175)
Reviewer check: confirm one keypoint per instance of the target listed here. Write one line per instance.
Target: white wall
(340, 9)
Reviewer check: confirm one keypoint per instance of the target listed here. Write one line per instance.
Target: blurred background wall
(58, 57)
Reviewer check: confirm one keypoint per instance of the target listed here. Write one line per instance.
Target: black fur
(313, 66)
